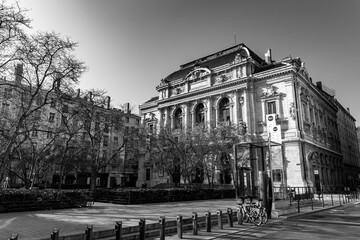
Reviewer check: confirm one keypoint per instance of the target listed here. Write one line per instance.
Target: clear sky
(130, 45)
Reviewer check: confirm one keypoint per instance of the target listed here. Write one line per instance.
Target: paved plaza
(39, 224)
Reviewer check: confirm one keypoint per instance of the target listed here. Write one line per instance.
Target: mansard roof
(212, 61)
(152, 99)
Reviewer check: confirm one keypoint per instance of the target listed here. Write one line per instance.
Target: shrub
(12, 200)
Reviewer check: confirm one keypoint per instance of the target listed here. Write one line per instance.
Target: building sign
(270, 120)
(316, 171)
(275, 133)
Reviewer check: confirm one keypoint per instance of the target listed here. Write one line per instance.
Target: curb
(294, 215)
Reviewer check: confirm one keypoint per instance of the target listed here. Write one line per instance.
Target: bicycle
(262, 210)
(249, 212)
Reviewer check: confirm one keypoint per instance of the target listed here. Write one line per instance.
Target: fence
(160, 229)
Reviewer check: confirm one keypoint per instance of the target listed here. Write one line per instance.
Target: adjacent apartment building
(313, 134)
(57, 122)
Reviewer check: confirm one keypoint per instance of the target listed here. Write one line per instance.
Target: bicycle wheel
(256, 217)
(264, 216)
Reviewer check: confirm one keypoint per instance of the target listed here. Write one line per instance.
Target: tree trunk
(93, 180)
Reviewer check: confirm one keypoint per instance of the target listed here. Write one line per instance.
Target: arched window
(224, 109)
(200, 114)
(178, 119)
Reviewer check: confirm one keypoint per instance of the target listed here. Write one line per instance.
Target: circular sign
(270, 118)
(275, 129)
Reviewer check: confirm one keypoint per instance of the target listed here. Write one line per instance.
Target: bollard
(219, 217)
(118, 226)
(162, 227)
(332, 200)
(230, 220)
(339, 200)
(208, 221)
(343, 198)
(142, 223)
(89, 232)
(179, 222)
(55, 234)
(322, 200)
(195, 223)
(13, 236)
(312, 203)
(298, 204)
(239, 215)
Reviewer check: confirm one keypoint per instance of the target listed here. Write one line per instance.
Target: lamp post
(235, 172)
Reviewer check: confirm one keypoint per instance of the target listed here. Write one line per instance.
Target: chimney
(319, 85)
(348, 109)
(108, 102)
(90, 96)
(127, 108)
(268, 57)
(78, 92)
(19, 70)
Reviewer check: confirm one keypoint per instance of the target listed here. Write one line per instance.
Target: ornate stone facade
(238, 86)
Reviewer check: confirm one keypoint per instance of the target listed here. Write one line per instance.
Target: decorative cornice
(202, 91)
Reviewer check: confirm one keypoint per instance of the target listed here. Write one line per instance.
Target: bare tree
(46, 68)
(194, 153)
(98, 121)
(12, 21)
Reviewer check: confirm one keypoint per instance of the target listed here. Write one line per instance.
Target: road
(340, 223)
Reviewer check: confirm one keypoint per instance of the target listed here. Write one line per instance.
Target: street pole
(235, 173)
(271, 189)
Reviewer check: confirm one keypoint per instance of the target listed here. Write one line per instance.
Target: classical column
(166, 116)
(236, 108)
(193, 115)
(186, 115)
(216, 115)
(209, 112)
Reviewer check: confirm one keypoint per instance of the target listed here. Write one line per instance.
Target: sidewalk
(39, 224)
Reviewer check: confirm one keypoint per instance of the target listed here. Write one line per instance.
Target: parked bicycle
(258, 204)
(250, 212)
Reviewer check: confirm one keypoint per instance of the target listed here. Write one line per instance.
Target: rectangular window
(65, 108)
(271, 107)
(106, 127)
(64, 120)
(151, 128)
(106, 141)
(7, 93)
(52, 103)
(116, 141)
(148, 174)
(34, 133)
(51, 117)
(5, 108)
(39, 100)
(49, 134)
(97, 126)
(105, 155)
(277, 175)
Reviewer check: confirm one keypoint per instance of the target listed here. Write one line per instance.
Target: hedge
(138, 196)
(12, 200)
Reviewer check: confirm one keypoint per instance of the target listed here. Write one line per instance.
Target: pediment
(197, 73)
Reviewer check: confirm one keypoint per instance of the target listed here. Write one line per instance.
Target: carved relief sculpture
(269, 91)
(292, 111)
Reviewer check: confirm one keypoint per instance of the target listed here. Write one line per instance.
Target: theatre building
(262, 96)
